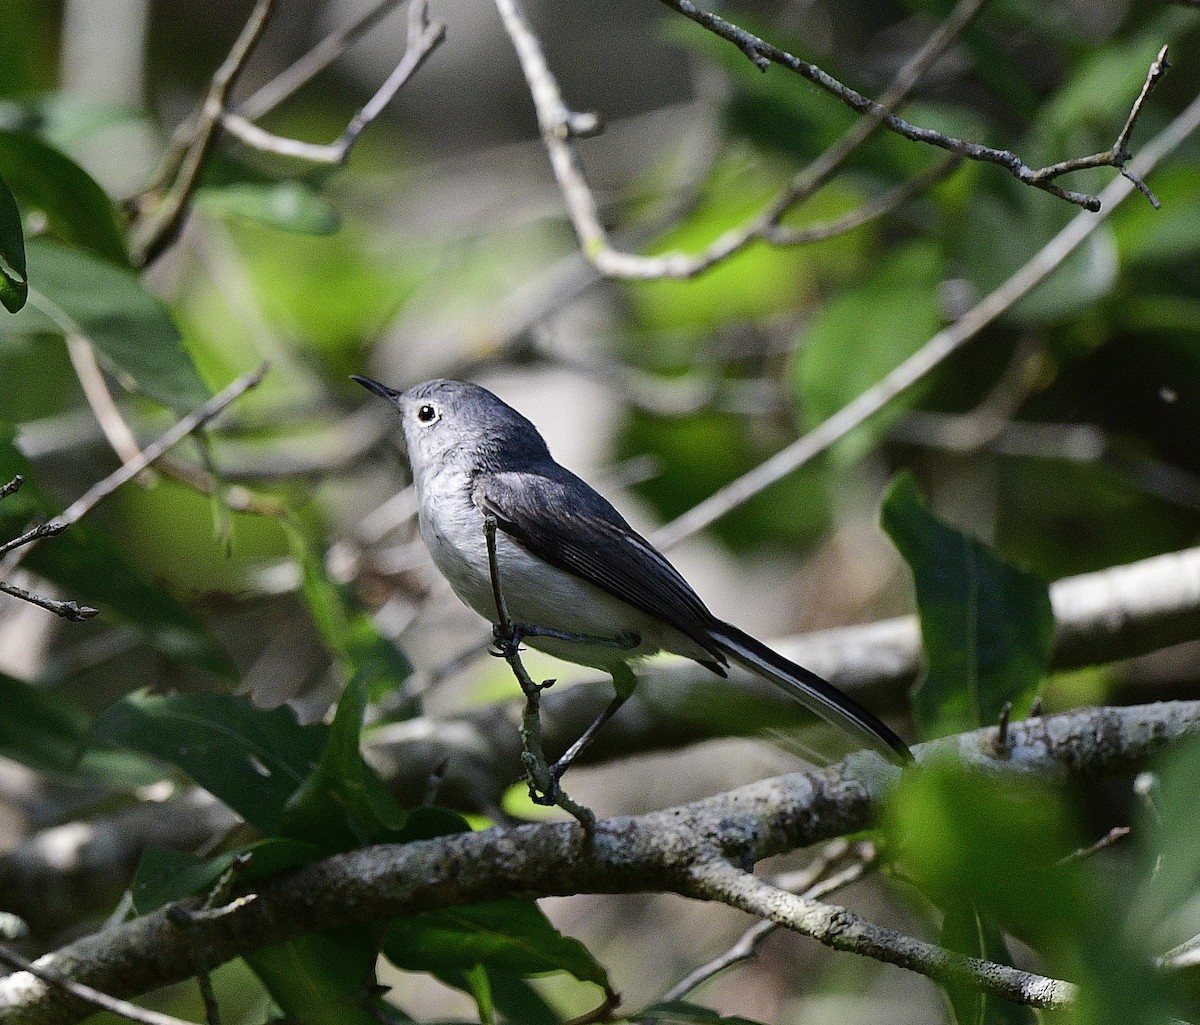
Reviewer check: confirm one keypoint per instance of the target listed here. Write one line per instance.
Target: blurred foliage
(413, 258)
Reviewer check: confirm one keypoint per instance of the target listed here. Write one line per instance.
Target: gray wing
(559, 518)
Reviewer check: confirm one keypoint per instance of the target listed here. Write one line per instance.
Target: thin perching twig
(934, 352)
(423, 39)
(544, 789)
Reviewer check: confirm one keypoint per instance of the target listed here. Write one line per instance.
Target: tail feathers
(817, 694)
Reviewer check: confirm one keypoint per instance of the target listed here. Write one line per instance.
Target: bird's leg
(544, 788)
(624, 681)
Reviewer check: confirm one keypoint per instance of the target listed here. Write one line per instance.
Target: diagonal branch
(654, 852)
(934, 352)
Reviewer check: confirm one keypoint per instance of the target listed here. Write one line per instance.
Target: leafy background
(226, 639)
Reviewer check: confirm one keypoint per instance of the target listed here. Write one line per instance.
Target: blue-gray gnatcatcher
(582, 584)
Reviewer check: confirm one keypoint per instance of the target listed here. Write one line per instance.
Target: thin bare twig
(1107, 840)
(155, 229)
(560, 127)
(423, 38)
(267, 97)
(86, 993)
(12, 487)
(816, 886)
(152, 452)
(931, 355)
(842, 929)
(764, 54)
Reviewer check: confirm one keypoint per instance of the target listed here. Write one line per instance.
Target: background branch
(651, 852)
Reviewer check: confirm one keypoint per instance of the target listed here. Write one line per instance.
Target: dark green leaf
(322, 978)
(348, 629)
(512, 936)
(78, 294)
(288, 206)
(165, 875)
(679, 1012)
(77, 209)
(1002, 846)
(343, 804)
(92, 570)
(987, 626)
(965, 931)
(250, 758)
(39, 729)
(14, 283)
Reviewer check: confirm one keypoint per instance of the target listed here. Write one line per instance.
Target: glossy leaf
(76, 293)
(252, 759)
(322, 978)
(287, 206)
(77, 209)
(512, 936)
(165, 875)
(14, 282)
(987, 626)
(342, 803)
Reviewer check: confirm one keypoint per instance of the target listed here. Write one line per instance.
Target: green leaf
(1002, 846)
(965, 931)
(14, 283)
(164, 875)
(862, 335)
(250, 758)
(91, 569)
(512, 936)
(287, 206)
(45, 732)
(78, 294)
(77, 209)
(679, 1012)
(343, 804)
(987, 626)
(323, 978)
(348, 629)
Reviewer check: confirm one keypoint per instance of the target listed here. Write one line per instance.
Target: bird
(579, 582)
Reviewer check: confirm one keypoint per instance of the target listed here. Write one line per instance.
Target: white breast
(536, 593)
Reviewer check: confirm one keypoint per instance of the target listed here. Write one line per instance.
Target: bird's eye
(427, 414)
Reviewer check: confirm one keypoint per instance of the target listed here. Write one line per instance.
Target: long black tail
(816, 694)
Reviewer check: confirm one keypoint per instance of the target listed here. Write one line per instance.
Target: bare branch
(423, 39)
(267, 97)
(842, 929)
(157, 228)
(560, 127)
(94, 997)
(931, 355)
(631, 854)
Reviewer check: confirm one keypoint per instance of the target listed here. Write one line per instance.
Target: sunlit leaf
(288, 206)
(75, 293)
(987, 626)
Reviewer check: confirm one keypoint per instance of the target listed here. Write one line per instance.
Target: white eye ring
(427, 413)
